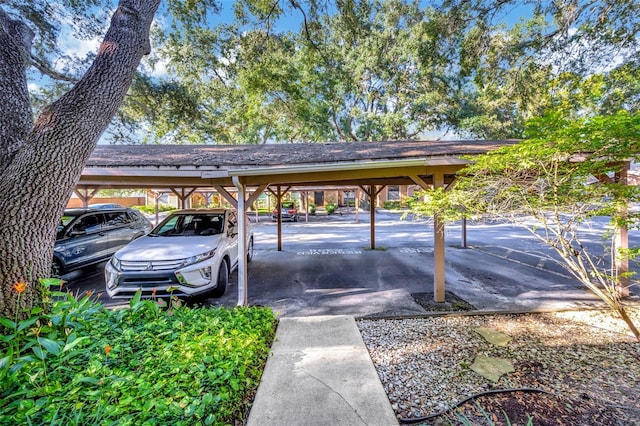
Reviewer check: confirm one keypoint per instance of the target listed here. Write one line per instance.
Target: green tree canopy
(345, 70)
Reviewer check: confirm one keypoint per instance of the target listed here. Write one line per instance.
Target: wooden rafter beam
(227, 196)
(419, 181)
(255, 194)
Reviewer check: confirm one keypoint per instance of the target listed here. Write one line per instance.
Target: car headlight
(198, 258)
(115, 262)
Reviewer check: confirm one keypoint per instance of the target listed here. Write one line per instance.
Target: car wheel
(250, 250)
(223, 280)
(56, 269)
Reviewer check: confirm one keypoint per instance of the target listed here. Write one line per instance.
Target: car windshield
(189, 224)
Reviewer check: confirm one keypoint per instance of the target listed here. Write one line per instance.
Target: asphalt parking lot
(327, 268)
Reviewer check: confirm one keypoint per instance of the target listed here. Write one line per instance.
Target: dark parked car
(89, 236)
(106, 206)
(288, 212)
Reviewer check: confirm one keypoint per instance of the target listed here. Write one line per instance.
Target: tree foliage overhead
(289, 71)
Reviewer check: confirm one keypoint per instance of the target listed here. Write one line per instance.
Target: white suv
(191, 252)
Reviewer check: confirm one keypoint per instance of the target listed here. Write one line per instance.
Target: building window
(349, 198)
(393, 193)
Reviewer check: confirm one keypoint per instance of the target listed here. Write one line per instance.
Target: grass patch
(150, 364)
(452, 302)
(378, 248)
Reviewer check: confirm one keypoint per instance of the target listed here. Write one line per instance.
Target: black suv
(88, 236)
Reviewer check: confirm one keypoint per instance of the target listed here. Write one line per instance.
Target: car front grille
(154, 265)
(147, 280)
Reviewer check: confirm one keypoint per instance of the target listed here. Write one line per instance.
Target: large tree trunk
(43, 164)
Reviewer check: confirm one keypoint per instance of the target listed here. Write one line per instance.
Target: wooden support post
(438, 248)
(279, 208)
(305, 198)
(156, 208)
(279, 194)
(357, 195)
(372, 214)
(372, 192)
(86, 194)
(156, 203)
(208, 196)
(183, 196)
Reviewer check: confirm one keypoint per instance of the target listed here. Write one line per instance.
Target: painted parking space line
(415, 250)
(537, 261)
(316, 252)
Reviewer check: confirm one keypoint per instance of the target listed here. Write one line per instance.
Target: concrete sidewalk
(320, 373)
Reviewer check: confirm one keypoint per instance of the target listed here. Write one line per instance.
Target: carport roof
(149, 166)
(281, 154)
(425, 163)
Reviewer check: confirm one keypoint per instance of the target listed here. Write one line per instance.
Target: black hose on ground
(459, 403)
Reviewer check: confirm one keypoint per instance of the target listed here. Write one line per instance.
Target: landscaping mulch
(578, 368)
(542, 409)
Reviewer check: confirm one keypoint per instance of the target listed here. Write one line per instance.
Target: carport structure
(249, 170)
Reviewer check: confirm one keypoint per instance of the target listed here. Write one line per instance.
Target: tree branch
(48, 71)
(17, 119)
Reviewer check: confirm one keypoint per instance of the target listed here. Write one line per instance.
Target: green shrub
(152, 209)
(312, 208)
(330, 208)
(392, 205)
(148, 364)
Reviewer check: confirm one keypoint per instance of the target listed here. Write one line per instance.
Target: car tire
(250, 250)
(223, 280)
(56, 269)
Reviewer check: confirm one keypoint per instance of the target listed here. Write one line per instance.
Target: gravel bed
(424, 363)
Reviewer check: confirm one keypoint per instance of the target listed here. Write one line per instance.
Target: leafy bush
(148, 364)
(152, 209)
(330, 208)
(392, 205)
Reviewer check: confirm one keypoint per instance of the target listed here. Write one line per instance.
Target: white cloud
(159, 69)
(79, 48)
